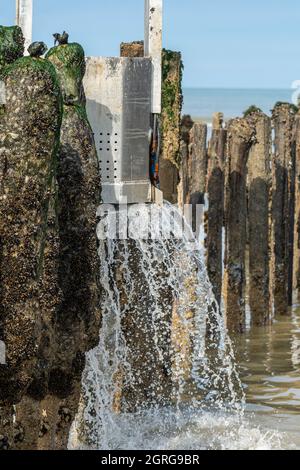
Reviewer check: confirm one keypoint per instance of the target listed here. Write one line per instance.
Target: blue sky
(232, 43)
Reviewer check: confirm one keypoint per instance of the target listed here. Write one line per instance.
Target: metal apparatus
(118, 94)
(123, 104)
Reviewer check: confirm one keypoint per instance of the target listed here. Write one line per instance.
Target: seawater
(204, 102)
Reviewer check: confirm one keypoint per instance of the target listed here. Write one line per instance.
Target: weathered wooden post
(132, 49)
(215, 216)
(29, 136)
(183, 187)
(170, 124)
(193, 168)
(296, 157)
(198, 162)
(259, 178)
(240, 138)
(6, 427)
(11, 45)
(78, 196)
(283, 194)
(24, 12)
(68, 288)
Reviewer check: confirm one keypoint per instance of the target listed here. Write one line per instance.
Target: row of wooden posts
(249, 170)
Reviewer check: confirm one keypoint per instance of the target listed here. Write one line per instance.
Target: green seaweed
(69, 62)
(172, 99)
(33, 63)
(11, 45)
(293, 108)
(251, 110)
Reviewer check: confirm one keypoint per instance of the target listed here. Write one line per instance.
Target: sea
(202, 103)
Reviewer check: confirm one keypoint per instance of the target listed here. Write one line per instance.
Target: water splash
(164, 368)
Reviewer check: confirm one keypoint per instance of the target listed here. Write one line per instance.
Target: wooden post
(215, 216)
(24, 11)
(240, 137)
(28, 418)
(132, 49)
(283, 176)
(153, 48)
(259, 173)
(184, 174)
(148, 355)
(29, 133)
(193, 169)
(198, 162)
(184, 184)
(6, 427)
(78, 196)
(296, 150)
(170, 124)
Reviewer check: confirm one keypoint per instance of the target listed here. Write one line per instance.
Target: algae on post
(172, 68)
(78, 197)
(11, 45)
(29, 136)
(69, 62)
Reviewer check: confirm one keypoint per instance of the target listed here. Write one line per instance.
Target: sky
(230, 44)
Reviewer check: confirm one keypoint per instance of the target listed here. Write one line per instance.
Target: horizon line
(233, 88)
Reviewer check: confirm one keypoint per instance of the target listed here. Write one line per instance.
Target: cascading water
(163, 375)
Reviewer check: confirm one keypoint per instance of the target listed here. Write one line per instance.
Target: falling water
(163, 375)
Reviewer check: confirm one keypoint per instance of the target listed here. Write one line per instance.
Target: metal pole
(24, 10)
(17, 12)
(153, 47)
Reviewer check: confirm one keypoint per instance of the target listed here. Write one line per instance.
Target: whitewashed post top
(153, 47)
(24, 12)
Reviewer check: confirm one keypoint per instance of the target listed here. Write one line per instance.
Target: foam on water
(189, 430)
(194, 396)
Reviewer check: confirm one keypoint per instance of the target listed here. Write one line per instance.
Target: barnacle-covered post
(283, 218)
(11, 49)
(296, 157)
(78, 198)
(78, 316)
(170, 124)
(24, 12)
(215, 215)
(259, 178)
(11, 45)
(29, 137)
(240, 138)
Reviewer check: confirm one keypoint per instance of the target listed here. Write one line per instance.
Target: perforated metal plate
(118, 94)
